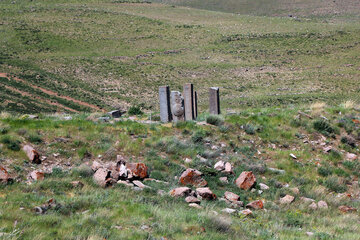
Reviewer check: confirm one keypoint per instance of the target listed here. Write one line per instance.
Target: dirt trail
(52, 93)
(41, 99)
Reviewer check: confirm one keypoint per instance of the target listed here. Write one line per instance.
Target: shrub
(324, 127)
(249, 129)
(198, 136)
(82, 171)
(334, 184)
(294, 219)
(324, 171)
(11, 144)
(35, 138)
(135, 110)
(4, 130)
(215, 120)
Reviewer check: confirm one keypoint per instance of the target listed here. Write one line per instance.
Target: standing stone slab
(189, 101)
(214, 100)
(165, 110)
(177, 106)
(195, 105)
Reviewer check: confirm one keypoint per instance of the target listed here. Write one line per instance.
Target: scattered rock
(77, 184)
(32, 154)
(220, 165)
(192, 177)
(313, 206)
(351, 156)
(246, 180)
(246, 212)
(263, 186)
(180, 192)
(275, 170)
(295, 190)
(347, 209)
(192, 199)
(188, 160)
(322, 205)
(144, 227)
(310, 234)
(307, 200)
(125, 183)
(258, 204)
(228, 168)
(195, 205)
(232, 197)
(327, 149)
(287, 199)
(101, 177)
(228, 210)
(139, 184)
(37, 175)
(4, 175)
(95, 166)
(224, 180)
(51, 203)
(293, 156)
(138, 170)
(205, 193)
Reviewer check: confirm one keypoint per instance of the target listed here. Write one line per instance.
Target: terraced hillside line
(39, 98)
(52, 93)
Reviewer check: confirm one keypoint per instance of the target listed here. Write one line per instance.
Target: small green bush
(135, 110)
(35, 138)
(324, 171)
(10, 143)
(250, 129)
(294, 219)
(198, 136)
(325, 128)
(334, 184)
(215, 120)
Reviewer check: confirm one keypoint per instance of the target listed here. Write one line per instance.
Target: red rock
(101, 176)
(287, 199)
(192, 199)
(205, 193)
(4, 175)
(192, 177)
(37, 175)
(138, 170)
(246, 180)
(258, 204)
(232, 197)
(347, 209)
(32, 154)
(180, 192)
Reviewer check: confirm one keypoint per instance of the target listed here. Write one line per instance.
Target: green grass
(114, 54)
(119, 212)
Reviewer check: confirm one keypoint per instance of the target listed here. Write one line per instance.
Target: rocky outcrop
(192, 177)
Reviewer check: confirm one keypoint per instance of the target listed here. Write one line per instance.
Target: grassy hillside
(257, 140)
(80, 56)
(275, 7)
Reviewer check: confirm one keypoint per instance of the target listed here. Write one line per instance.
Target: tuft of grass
(215, 120)
(135, 110)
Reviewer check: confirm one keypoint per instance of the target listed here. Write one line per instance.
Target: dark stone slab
(164, 98)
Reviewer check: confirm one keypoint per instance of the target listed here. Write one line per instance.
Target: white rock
(263, 186)
(293, 156)
(322, 205)
(220, 165)
(228, 210)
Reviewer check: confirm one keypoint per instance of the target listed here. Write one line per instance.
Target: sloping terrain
(275, 7)
(305, 161)
(113, 54)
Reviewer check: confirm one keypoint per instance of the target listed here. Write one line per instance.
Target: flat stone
(32, 154)
(258, 204)
(246, 212)
(229, 210)
(125, 183)
(228, 168)
(37, 175)
(263, 186)
(100, 177)
(205, 193)
(214, 100)
(232, 197)
(180, 192)
(192, 177)
(224, 180)
(246, 180)
(192, 199)
(189, 101)
(139, 184)
(351, 156)
(195, 205)
(220, 165)
(347, 209)
(295, 190)
(287, 199)
(322, 205)
(95, 166)
(307, 200)
(165, 108)
(313, 206)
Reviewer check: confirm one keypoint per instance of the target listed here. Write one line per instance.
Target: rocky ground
(257, 174)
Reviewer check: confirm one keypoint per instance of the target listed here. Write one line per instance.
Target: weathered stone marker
(189, 101)
(165, 110)
(214, 100)
(195, 105)
(177, 106)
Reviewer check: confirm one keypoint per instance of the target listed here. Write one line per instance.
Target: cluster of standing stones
(176, 107)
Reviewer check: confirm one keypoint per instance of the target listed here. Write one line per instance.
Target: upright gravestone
(195, 105)
(177, 106)
(189, 101)
(165, 110)
(214, 100)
